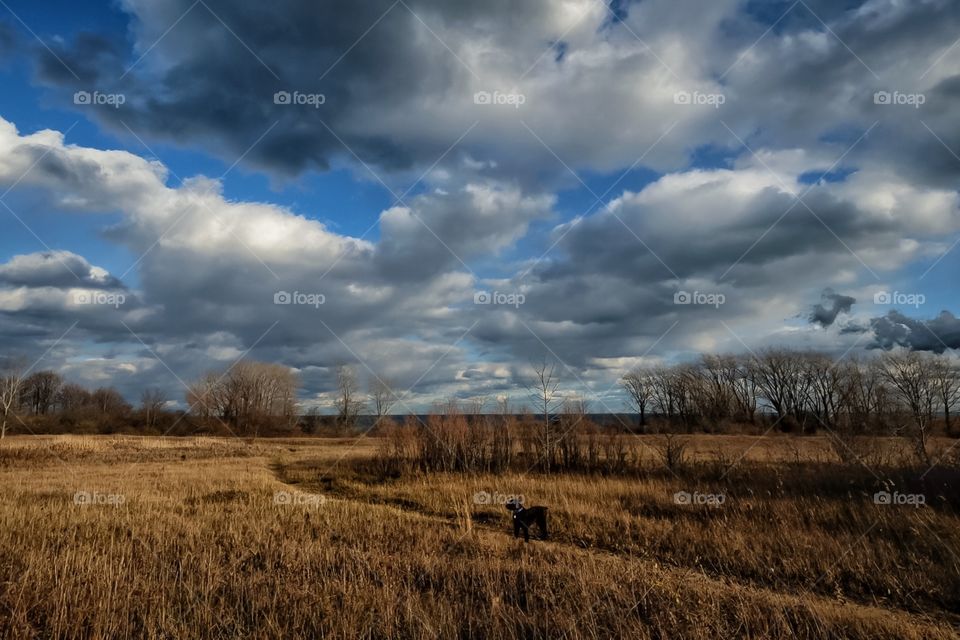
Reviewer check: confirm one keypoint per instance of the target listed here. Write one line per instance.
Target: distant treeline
(901, 393)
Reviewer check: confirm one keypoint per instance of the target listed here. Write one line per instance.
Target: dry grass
(199, 548)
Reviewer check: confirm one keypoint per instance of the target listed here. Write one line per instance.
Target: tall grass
(451, 441)
(201, 548)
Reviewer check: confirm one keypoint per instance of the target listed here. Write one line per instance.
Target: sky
(444, 193)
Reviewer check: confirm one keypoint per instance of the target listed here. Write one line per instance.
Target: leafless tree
(248, 395)
(945, 377)
(72, 397)
(204, 396)
(543, 388)
(573, 415)
(827, 388)
(782, 382)
(684, 381)
(909, 375)
(382, 396)
(665, 390)
(639, 385)
(673, 451)
(743, 382)
(544, 392)
(152, 402)
(110, 402)
(11, 381)
(866, 397)
(39, 392)
(716, 382)
(348, 403)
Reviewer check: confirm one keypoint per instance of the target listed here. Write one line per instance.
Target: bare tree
(639, 385)
(827, 387)
(151, 403)
(673, 451)
(11, 381)
(382, 396)
(664, 391)
(744, 385)
(39, 392)
(109, 401)
(348, 402)
(867, 396)
(945, 378)
(909, 375)
(543, 389)
(716, 381)
(573, 413)
(782, 382)
(682, 385)
(248, 395)
(72, 397)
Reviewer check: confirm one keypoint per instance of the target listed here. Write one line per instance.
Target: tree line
(37, 399)
(892, 393)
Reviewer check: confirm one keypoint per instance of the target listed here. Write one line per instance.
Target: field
(223, 538)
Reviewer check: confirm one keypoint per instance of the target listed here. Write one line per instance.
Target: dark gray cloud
(898, 330)
(799, 92)
(399, 81)
(60, 269)
(202, 82)
(439, 230)
(830, 306)
(92, 58)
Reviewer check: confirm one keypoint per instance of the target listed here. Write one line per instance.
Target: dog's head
(514, 505)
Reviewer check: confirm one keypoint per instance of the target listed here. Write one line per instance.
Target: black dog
(523, 517)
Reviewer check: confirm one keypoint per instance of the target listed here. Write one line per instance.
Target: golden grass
(199, 548)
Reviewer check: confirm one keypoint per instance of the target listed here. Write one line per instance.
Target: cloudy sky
(444, 191)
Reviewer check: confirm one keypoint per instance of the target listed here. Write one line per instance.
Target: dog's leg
(526, 530)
